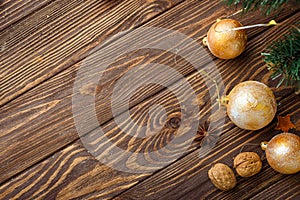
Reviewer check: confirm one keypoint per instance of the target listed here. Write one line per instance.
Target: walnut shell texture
(247, 164)
(222, 176)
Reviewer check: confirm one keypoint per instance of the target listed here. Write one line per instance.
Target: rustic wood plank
(188, 179)
(231, 136)
(286, 188)
(14, 10)
(70, 173)
(135, 18)
(232, 73)
(60, 34)
(74, 173)
(48, 111)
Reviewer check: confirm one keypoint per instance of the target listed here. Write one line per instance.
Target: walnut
(222, 176)
(247, 164)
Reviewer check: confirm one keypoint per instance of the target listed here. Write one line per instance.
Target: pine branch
(283, 58)
(267, 6)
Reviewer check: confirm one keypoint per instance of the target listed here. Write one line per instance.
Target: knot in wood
(174, 122)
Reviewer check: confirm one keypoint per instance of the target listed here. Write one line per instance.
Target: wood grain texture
(179, 178)
(35, 108)
(48, 110)
(73, 173)
(291, 190)
(41, 121)
(69, 174)
(13, 10)
(60, 34)
(188, 179)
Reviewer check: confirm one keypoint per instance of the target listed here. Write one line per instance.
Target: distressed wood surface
(13, 10)
(37, 107)
(40, 123)
(48, 108)
(61, 34)
(188, 179)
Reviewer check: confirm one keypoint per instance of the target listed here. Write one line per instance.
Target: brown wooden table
(51, 147)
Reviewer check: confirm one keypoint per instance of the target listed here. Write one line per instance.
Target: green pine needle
(283, 58)
(267, 6)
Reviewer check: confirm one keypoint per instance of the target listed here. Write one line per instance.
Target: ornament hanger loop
(271, 23)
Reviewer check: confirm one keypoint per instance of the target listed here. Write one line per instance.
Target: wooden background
(44, 43)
